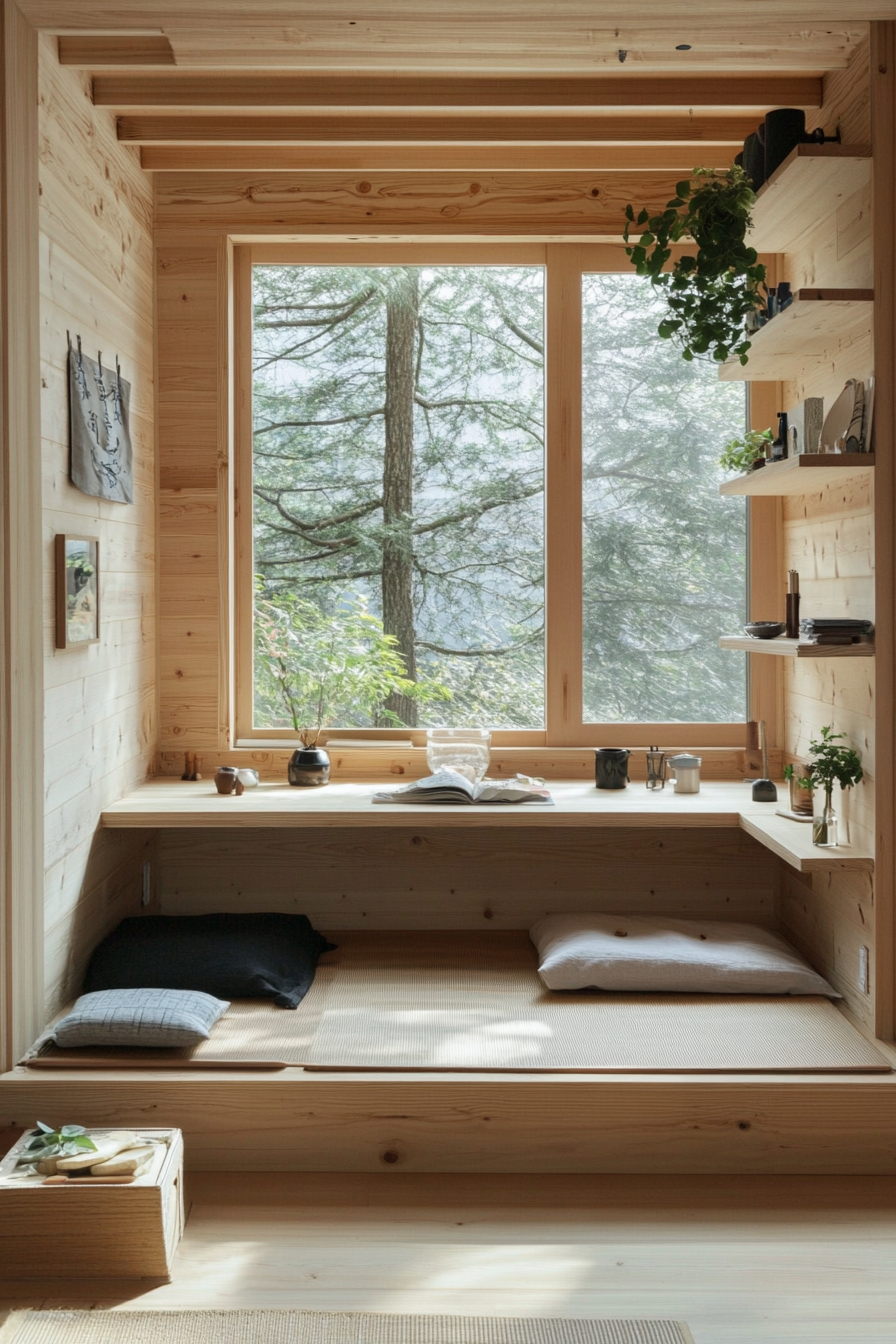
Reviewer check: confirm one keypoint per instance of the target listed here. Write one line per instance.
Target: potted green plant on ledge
(710, 295)
(319, 667)
(830, 764)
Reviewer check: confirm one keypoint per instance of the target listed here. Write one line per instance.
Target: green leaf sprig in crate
(68, 1141)
(710, 295)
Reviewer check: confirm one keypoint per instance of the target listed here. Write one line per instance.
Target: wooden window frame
(565, 264)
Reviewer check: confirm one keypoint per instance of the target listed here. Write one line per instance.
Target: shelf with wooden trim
(812, 182)
(782, 647)
(800, 475)
(167, 803)
(817, 320)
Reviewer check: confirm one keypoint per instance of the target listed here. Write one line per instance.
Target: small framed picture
(77, 591)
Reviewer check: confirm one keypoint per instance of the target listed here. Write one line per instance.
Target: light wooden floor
(744, 1260)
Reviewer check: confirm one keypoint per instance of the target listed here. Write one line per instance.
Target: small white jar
(687, 772)
(247, 777)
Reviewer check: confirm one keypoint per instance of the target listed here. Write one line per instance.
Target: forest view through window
(398, 480)
(664, 555)
(399, 503)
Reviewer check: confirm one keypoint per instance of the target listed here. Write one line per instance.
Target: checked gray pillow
(147, 1017)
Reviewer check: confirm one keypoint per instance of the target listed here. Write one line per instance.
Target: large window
(493, 481)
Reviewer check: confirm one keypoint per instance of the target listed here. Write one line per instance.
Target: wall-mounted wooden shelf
(792, 841)
(812, 182)
(800, 475)
(817, 320)
(782, 647)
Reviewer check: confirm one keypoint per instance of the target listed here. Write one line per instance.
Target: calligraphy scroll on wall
(99, 427)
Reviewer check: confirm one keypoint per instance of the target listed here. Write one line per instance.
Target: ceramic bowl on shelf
(764, 629)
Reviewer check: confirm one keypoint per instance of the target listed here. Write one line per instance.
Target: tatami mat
(323, 1327)
(471, 1001)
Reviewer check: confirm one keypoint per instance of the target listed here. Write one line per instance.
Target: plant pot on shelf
(309, 767)
(800, 796)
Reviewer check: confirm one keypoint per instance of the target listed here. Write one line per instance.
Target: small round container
(687, 772)
(764, 629)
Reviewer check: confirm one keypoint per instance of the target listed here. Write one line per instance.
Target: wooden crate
(98, 1231)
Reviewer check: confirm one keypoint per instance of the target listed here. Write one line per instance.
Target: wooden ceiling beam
(189, 91)
(126, 49)
(486, 36)
(496, 205)
(677, 159)
(545, 129)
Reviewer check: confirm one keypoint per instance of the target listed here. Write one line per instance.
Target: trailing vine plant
(710, 295)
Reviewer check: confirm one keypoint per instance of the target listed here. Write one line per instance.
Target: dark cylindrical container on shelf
(611, 767)
(309, 767)
(754, 160)
(785, 128)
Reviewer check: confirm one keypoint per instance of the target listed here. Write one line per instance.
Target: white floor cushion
(638, 953)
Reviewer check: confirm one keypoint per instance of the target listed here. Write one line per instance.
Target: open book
(448, 786)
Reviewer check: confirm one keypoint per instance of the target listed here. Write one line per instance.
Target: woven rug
(322, 1327)
(469, 1001)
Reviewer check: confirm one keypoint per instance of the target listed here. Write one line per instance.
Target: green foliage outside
(313, 665)
(664, 554)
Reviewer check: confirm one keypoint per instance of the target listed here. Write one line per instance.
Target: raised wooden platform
(295, 1121)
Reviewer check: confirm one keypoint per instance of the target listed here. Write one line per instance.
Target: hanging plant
(710, 295)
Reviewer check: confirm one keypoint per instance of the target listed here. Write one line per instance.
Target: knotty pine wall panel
(426, 878)
(829, 540)
(100, 701)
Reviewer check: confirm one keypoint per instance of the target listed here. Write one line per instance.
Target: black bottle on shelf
(779, 447)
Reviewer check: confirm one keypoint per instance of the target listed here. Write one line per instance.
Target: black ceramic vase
(611, 767)
(309, 767)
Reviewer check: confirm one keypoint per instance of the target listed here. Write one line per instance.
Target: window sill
(379, 764)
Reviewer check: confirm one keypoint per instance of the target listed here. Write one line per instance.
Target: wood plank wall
(829, 539)
(428, 878)
(21, 643)
(97, 280)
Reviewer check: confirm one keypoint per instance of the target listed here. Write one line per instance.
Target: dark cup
(309, 767)
(611, 767)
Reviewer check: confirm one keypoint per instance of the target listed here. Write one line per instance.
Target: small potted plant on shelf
(800, 793)
(747, 453)
(711, 295)
(830, 764)
(319, 667)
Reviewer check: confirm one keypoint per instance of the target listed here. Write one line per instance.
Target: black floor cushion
(265, 956)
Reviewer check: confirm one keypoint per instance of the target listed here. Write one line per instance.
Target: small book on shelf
(449, 786)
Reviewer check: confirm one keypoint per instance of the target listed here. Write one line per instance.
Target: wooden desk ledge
(163, 803)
